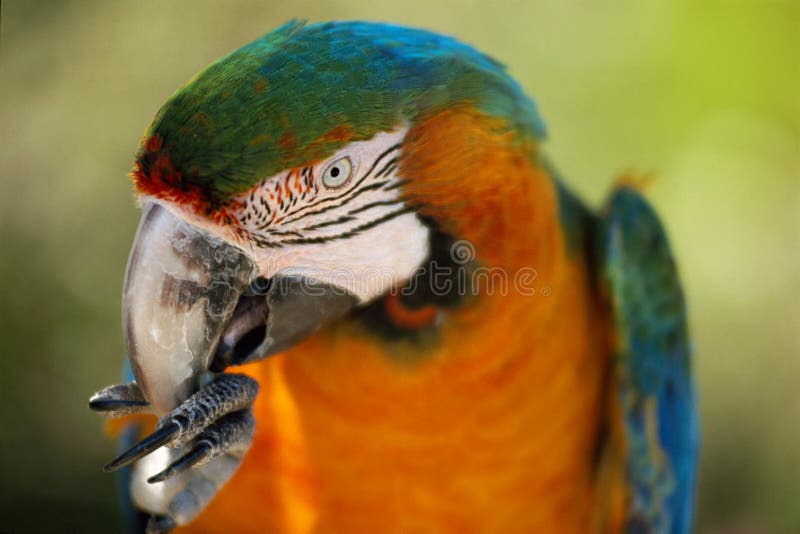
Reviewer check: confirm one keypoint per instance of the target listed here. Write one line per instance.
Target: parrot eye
(337, 173)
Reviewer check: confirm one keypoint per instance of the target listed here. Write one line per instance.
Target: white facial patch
(341, 221)
(366, 264)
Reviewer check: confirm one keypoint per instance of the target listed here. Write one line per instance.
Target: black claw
(160, 524)
(119, 400)
(109, 405)
(200, 452)
(155, 440)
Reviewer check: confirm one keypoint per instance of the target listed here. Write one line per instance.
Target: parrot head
(301, 176)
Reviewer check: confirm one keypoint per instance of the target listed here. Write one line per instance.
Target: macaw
(361, 299)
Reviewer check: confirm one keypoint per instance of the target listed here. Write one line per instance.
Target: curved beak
(181, 288)
(193, 303)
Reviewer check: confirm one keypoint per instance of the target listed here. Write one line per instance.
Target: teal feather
(300, 92)
(652, 365)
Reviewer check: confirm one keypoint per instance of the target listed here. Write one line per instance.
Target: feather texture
(652, 366)
(300, 92)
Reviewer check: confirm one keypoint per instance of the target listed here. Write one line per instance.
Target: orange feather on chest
(494, 428)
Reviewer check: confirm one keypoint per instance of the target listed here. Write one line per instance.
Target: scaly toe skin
(231, 434)
(213, 428)
(202, 487)
(199, 453)
(226, 394)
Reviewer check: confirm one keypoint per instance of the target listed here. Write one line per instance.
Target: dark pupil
(335, 172)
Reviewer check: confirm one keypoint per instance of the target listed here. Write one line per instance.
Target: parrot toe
(160, 524)
(161, 436)
(231, 434)
(186, 486)
(202, 414)
(205, 437)
(119, 400)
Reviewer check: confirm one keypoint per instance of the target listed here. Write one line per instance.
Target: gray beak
(193, 303)
(181, 287)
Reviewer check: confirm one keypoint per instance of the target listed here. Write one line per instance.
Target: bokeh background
(705, 94)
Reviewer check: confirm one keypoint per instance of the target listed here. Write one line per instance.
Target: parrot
(361, 298)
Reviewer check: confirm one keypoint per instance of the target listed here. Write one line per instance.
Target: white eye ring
(337, 173)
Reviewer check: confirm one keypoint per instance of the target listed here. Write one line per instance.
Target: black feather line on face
(346, 195)
(371, 205)
(340, 220)
(354, 194)
(350, 233)
(263, 213)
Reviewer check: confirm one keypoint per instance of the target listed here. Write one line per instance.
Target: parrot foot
(216, 423)
(225, 394)
(231, 434)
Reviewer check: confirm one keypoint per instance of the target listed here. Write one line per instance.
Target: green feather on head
(297, 94)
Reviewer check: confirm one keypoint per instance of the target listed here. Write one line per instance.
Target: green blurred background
(706, 95)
